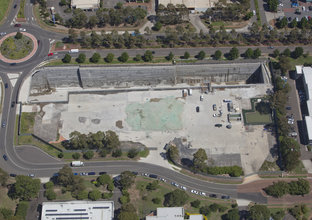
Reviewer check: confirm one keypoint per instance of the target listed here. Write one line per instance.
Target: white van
(77, 164)
(74, 51)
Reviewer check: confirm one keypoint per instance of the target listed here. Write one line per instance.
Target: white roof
(200, 4)
(307, 72)
(196, 217)
(97, 210)
(308, 120)
(173, 213)
(85, 4)
(299, 69)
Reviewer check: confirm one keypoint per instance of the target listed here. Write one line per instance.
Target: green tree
(272, 4)
(18, 35)
(282, 23)
(94, 195)
(293, 23)
(205, 210)
(173, 153)
(217, 55)
(6, 213)
(60, 155)
(300, 187)
(153, 185)
(81, 58)
(201, 55)
(259, 212)
(232, 214)
(95, 58)
(107, 195)
(4, 176)
(72, 35)
(111, 140)
(298, 52)
(195, 203)
(76, 155)
(256, 53)
(287, 52)
(25, 188)
(109, 58)
(81, 195)
(276, 53)
(117, 153)
(199, 159)
(137, 57)
(132, 153)
(170, 56)
(278, 189)
(284, 64)
(233, 54)
(123, 57)
(49, 185)
(65, 177)
(175, 198)
(128, 212)
(278, 215)
(104, 179)
(88, 155)
(50, 194)
(126, 179)
(157, 26)
(156, 200)
(124, 199)
(67, 58)
(186, 55)
(249, 53)
(148, 56)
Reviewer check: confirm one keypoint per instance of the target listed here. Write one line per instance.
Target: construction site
(154, 105)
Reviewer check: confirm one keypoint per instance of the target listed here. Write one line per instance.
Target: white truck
(74, 51)
(77, 164)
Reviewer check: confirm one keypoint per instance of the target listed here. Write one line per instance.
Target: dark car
(12, 64)
(212, 195)
(101, 173)
(218, 125)
(5, 157)
(225, 197)
(12, 174)
(153, 176)
(3, 124)
(6, 85)
(17, 25)
(38, 41)
(135, 173)
(91, 173)
(55, 174)
(12, 104)
(15, 5)
(197, 109)
(288, 108)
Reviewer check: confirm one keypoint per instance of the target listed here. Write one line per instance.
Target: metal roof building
(196, 5)
(85, 4)
(307, 84)
(97, 210)
(173, 213)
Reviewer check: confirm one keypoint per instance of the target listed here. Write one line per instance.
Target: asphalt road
(19, 165)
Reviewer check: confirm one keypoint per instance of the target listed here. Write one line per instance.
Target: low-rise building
(85, 4)
(97, 210)
(192, 5)
(173, 213)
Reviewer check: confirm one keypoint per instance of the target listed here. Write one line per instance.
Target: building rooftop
(173, 213)
(97, 210)
(196, 217)
(85, 4)
(299, 69)
(193, 4)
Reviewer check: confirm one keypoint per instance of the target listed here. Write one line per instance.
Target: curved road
(16, 164)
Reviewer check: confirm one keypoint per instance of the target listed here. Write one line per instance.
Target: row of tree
(114, 17)
(304, 23)
(281, 188)
(175, 38)
(172, 14)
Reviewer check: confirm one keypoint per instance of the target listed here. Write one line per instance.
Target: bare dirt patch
(119, 124)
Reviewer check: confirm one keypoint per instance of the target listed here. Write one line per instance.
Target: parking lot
(290, 11)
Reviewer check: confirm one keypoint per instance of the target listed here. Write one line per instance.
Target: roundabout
(17, 50)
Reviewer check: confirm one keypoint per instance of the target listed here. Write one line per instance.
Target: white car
(214, 115)
(202, 194)
(194, 191)
(162, 179)
(183, 187)
(2, 33)
(22, 29)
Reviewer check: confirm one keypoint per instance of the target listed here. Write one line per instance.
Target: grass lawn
(5, 201)
(300, 61)
(21, 10)
(4, 8)
(145, 206)
(15, 49)
(27, 122)
(299, 169)
(269, 166)
(256, 117)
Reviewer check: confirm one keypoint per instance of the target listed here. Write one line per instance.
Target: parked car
(17, 25)
(183, 187)
(197, 108)
(2, 33)
(214, 115)
(135, 173)
(202, 193)
(163, 180)
(288, 108)
(213, 195)
(218, 125)
(214, 107)
(55, 174)
(153, 176)
(194, 191)
(75, 174)
(91, 173)
(83, 174)
(6, 85)
(50, 54)
(31, 175)
(101, 173)
(225, 197)
(5, 157)
(12, 174)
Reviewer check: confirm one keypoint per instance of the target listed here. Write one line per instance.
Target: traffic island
(17, 48)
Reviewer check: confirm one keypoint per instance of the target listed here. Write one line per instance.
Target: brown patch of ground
(61, 138)
(119, 124)
(155, 100)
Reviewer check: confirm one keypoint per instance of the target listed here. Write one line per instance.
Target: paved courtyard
(155, 118)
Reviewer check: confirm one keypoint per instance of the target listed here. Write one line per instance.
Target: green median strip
(21, 12)
(257, 12)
